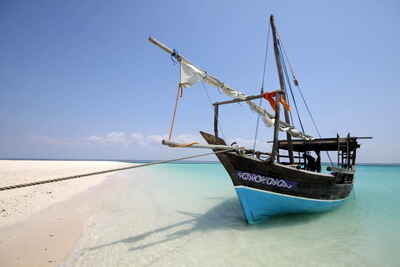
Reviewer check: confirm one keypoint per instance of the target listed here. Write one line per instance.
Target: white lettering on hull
(260, 179)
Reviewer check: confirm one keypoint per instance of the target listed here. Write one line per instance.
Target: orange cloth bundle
(269, 96)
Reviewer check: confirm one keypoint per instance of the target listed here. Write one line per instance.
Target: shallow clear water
(189, 215)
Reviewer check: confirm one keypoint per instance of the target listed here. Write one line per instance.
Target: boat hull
(267, 188)
(259, 205)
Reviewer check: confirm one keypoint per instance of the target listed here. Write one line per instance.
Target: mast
(283, 88)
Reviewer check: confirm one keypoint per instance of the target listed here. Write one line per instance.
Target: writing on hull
(260, 179)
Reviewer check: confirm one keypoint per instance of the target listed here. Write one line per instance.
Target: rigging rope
(308, 110)
(206, 92)
(262, 87)
(296, 83)
(290, 112)
(178, 95)
(313, 121)
(107, 171)
(291, 92)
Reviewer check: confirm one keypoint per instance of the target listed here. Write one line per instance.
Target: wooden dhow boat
(289, 179)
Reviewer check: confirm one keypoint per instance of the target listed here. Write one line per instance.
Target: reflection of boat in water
(270, 183)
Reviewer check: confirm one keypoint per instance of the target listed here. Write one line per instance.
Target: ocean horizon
(182, 161)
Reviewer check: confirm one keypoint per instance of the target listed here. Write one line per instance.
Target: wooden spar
(161, 45)
(195, 145)
(282, 85)
(237, 100)
(180, 58)
(213, 146)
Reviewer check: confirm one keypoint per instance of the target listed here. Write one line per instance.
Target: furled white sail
(190, 74)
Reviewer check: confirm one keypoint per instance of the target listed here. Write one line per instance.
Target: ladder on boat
(345, 154)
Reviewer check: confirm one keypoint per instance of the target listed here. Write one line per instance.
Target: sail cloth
(190, 75)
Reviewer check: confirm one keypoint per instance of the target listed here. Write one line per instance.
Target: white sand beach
(37, 221)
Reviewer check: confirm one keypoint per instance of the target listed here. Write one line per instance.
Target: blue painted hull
(259, 205)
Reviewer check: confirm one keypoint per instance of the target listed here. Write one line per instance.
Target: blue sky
(80, 80)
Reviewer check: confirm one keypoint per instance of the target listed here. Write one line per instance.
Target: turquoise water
(189, 215)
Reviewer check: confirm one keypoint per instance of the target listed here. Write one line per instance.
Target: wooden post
(216, 120)
(282, 85)
(275, 147)
(348, 151)
(354, 156)
(318, 160)
(338, 149)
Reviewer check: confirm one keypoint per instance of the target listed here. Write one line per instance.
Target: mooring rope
(9, 187)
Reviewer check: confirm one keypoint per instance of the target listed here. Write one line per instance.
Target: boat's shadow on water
(226, 215)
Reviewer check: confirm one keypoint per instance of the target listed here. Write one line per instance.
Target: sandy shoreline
(37, 225)
(18, 204)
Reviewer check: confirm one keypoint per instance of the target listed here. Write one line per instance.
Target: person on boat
(318, 161)
(310, 163)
